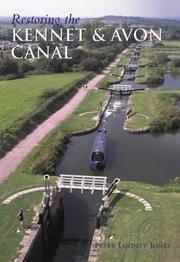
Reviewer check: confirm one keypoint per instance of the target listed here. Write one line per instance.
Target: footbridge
(92, 183)
(131, 67)
(124, 89)
(82, 183)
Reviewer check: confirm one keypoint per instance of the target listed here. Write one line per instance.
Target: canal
(145, 158)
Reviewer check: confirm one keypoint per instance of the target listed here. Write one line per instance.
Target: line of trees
(91, 56)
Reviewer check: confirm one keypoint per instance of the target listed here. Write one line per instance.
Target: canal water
(146, 158)
(171, 81)
(80, 212)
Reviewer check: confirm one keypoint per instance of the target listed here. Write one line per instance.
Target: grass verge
(10, 239)
(155, 109)
(129, 223)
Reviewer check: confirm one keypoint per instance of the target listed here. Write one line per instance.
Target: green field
(150, 106)
(129, 222)
(20, 97)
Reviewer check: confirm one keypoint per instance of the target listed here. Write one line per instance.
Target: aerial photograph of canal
(90, 131)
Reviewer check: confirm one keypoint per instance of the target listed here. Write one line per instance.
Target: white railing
(121, 87)
(132, 65)
(91, 183)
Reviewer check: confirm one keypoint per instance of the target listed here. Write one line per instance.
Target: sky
(92, 8)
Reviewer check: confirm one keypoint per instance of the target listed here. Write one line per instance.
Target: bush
(175, 70)
(162, 58)
(175, 62)
(154, 79)
(25, 67)
(14, 76)
(46, 162)
(91, 64)
(47, 94)
(169, 120)
(155, 45)
(37, 72)
(8, 66)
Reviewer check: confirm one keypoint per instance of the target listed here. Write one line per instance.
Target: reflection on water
(171, 81)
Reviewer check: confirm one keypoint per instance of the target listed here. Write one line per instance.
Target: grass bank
(128, 222)
(155, 110)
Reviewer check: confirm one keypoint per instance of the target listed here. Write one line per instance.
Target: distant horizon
(94, 17)
(93, 8)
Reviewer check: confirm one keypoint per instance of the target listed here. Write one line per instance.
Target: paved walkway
(87, 113)
(147, 205)
(20, 193)
(12, 159)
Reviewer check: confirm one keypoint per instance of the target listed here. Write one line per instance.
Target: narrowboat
(99, 150)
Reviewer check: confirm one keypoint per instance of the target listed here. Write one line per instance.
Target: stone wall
(50, 229)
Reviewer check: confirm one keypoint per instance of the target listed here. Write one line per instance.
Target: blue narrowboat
(99, 150)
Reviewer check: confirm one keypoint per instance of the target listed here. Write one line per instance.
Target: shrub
(13, 76)
(154, 79)
(91, 64)
(162, 58)
(175, 62)
(47, 94)
(169, 120)
(46, 162)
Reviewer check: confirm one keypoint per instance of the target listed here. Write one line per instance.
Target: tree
(162, 58)
(91, 64)
(8, 66)
(176, 62)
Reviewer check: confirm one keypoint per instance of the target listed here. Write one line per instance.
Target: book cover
(89, 131)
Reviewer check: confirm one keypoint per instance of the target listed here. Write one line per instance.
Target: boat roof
(100, 141)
